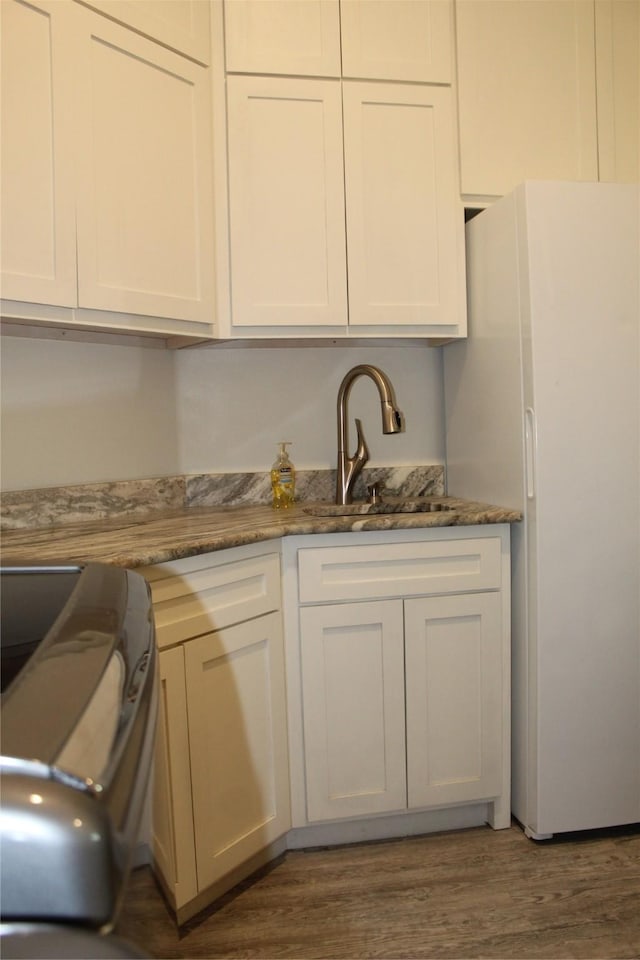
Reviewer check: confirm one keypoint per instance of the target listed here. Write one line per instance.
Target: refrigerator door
(578, 263)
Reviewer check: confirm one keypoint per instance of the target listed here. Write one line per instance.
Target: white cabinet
(546, 91)
(180, 25)
(397, 40)
(291, 265)
(403, 650)
(343, 211)
(37, 221)
(385, 40)
(221, 788)
(526, 91)
(283, 37)
(107, 216)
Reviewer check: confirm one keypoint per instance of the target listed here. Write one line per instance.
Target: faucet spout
(392, 422)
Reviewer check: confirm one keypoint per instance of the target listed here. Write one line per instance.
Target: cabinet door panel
(286, 197)
(283, 36)
(353, 709)
(454, 698)
(181, 25)
(396, 40)
(404, 217)
(173, 842)
(144, 193)
(526, 89)
(237, 728)
(37, 181)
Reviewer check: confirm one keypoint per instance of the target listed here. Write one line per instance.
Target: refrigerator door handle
(530, 441)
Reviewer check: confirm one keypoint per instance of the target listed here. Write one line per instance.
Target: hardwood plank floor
(466, 894)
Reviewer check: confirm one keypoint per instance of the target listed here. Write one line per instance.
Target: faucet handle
(374, 490)
(362, 453)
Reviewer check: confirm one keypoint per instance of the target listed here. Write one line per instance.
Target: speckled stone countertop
(165, 535)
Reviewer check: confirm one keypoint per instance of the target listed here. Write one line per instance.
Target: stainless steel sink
(386, 506)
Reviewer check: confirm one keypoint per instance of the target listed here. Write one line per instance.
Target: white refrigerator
(543, 414)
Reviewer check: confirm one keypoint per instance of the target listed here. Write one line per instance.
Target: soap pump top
(283, 456)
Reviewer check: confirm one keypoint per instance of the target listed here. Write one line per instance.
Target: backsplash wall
(85, 412)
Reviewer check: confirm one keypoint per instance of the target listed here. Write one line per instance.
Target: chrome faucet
(392, 422)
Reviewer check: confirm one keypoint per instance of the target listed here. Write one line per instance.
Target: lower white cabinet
(221, 784)
(381, 708)
(403, 700)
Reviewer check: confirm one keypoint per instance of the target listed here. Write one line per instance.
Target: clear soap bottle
(283, 479)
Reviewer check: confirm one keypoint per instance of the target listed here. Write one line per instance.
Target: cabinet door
(526, 87)
(38, 244)
(286, 197)
(353, 709)
(397, 40)
(618, 89)
(144, 193)
(173, 841)
(181, 25)
(405, 221)
(238, 734)
(283, 36)
(454, 684)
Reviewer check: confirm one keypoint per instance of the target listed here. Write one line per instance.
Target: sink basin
(390, 505)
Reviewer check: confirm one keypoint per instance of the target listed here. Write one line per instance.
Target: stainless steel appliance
(78, 719)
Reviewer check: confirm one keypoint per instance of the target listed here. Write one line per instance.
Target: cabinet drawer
(207, 598)
(399, 569)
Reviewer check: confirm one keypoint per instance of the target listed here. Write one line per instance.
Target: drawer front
(399, 569)
(202, 600)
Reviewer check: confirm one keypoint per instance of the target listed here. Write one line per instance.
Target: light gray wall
(83, 412)
(236, 404)
(78, 412)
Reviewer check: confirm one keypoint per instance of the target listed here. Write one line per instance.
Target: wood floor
(472, 893)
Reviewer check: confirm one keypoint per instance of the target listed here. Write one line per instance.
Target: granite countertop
(163, 535)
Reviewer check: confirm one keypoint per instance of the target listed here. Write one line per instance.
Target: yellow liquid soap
(283, 479)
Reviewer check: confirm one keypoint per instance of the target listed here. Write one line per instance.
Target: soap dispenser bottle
(283, 478)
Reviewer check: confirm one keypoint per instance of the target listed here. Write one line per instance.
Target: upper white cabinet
(396, 40)
(361, 39)
(144, 243)
(526, 93)
(181, 25)
(37, 178)
(283, 36)
(107, 217)
(546, 91)
(344, 217)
